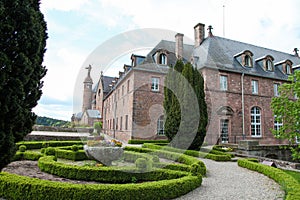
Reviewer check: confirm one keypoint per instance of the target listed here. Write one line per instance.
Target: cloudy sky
(77, 27)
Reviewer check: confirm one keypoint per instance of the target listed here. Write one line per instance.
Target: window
(117, 125)
(128, 84)
(224, 130)
(121, 121)
(99, 92)
(288, 69)
(277, 124)
(248, 61)
(160, 126)
(122, 90)
(155, 84)
(126, 122)
(254, 86)
(276, 89)
(162, 59)
(223, 83)
(269, 65)
(255, 122)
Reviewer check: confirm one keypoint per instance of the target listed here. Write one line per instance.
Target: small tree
(98, 127)
(22, 47)
(286, 108)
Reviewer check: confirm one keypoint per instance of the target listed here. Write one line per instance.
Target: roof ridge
(269, 49)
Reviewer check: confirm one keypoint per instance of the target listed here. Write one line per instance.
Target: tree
(22, 47)
(185, 107)
(286, 109)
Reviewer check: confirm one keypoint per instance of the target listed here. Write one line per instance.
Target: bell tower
(87, 91)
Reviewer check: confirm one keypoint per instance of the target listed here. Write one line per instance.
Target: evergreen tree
(171, 103)
(22, 47)
(185, 107)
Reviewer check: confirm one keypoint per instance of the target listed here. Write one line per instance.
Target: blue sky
(77, 27)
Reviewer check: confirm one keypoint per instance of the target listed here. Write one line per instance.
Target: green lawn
(294, 174)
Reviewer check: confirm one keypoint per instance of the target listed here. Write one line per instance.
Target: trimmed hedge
(43, 144)
(27, 155)
(288, 183)
(19, 187)
(71, 155)
(213, 154)
(104, 174)
(148, 141)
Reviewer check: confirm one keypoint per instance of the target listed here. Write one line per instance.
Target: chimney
(179, 45)
(199, 32)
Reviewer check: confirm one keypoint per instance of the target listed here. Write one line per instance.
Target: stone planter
(105, 155)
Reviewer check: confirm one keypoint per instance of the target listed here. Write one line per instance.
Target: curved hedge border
(105, 174)
(288, 183)
(20, 187)
(148, 141)
(178, 157)
(27, 155)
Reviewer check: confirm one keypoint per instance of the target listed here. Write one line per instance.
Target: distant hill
(46, 121)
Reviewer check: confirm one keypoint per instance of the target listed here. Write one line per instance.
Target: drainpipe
(243, 105)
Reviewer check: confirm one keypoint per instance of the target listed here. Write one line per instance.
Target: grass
(294, 174)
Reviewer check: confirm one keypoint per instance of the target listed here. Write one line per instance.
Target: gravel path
(226, 180)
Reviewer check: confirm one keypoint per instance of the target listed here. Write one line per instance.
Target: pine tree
(22, 47)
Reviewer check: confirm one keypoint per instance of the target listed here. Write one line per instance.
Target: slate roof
(106, 82)
(219, 53)
(95, 114)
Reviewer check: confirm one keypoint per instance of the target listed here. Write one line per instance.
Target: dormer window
(248, 61)
(162, 59)
(285, 66)
(245, 58)
(269, 65)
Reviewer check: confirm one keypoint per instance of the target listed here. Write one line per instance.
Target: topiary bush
(75, 148)
(22, 148)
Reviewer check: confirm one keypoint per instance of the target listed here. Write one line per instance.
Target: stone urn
(105, 155)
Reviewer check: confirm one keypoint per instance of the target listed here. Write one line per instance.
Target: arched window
(269, 65)
(160, 126)
(162, 59)
(255, 122)
(248, 61)
(288, 69)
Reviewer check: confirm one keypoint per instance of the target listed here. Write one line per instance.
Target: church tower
(87, 91)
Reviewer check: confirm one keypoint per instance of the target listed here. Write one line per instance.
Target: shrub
(17, 187)
(22, 148)
(155, 158)
(45, 144)
(50, 151)
(75, 147)
(143, 165)
(147, 141)
(288, 183)
(70, 155)
(27, 155)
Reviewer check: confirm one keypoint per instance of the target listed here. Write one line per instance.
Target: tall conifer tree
(22, 47)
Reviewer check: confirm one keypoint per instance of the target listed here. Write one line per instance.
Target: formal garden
(144, 171)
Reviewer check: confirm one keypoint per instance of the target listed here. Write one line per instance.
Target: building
(240, 81)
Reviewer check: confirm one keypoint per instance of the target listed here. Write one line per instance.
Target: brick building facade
(240, 81)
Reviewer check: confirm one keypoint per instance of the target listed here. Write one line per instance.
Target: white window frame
(254, 86)
(277, 125)
(155, 84)
(160, 126)
(256, 122)
(269, 65)
(276, 89)
(223, 82)
(162, 59)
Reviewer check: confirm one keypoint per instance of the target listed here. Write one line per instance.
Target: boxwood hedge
(104, 174)
(288, 183)
(19, 187)
(43, 144)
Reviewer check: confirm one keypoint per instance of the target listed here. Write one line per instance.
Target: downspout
(243, 105)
